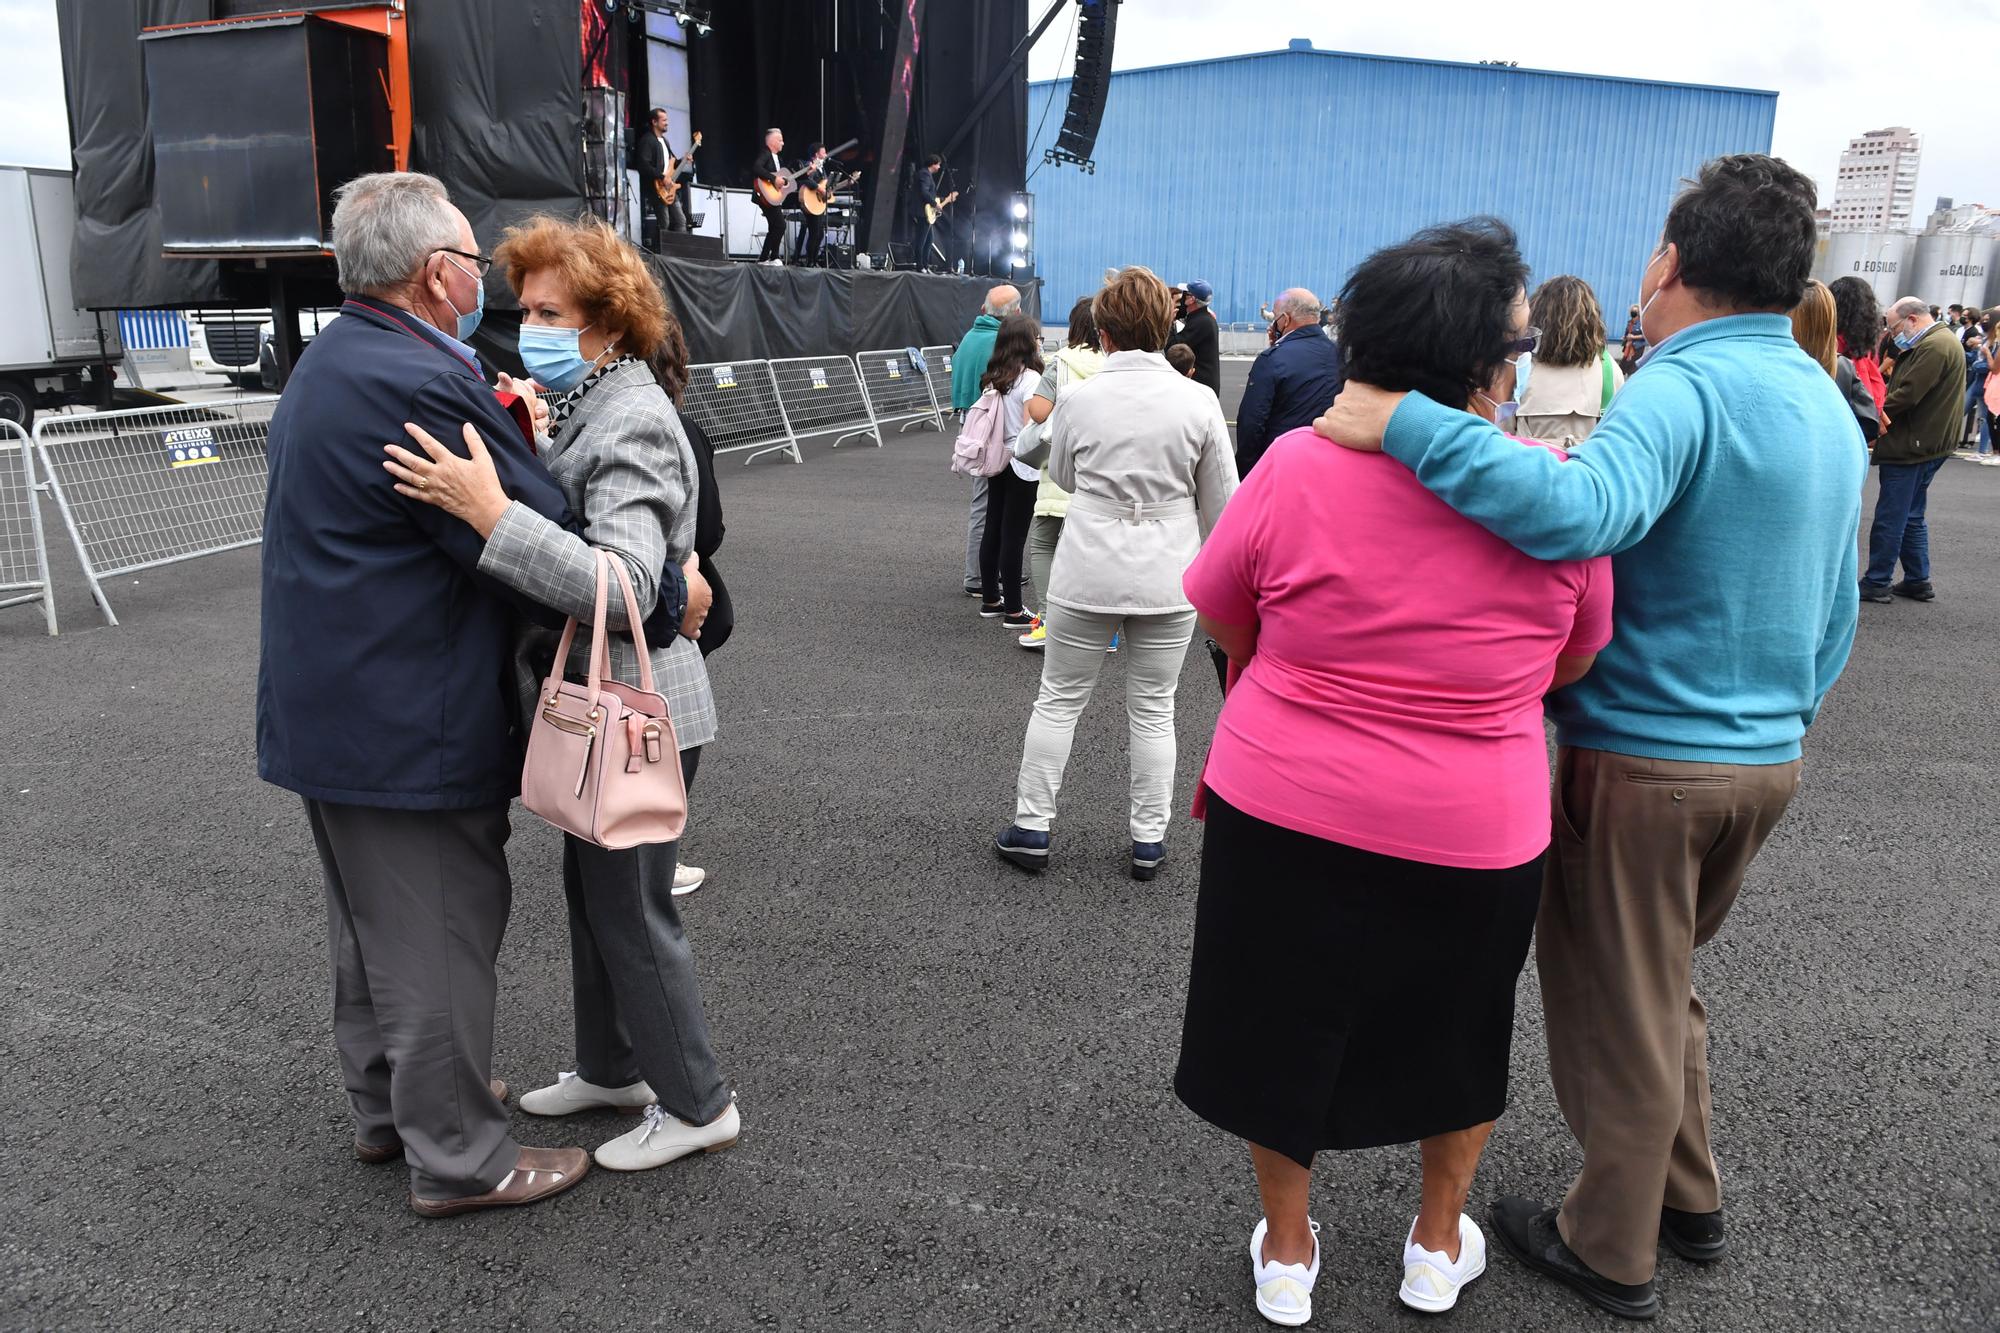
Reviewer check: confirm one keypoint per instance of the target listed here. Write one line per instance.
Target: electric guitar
(932, 212)
(668, 187)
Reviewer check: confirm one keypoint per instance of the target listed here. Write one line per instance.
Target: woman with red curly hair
(600, 343)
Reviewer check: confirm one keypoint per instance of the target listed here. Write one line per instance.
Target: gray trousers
(417, 901)
(975, 532)
(638, 1005)
(1043, 534)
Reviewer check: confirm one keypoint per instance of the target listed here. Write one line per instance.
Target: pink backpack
(981, 447)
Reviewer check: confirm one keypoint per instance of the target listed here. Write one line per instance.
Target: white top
(1146, 454)
(1013, 415)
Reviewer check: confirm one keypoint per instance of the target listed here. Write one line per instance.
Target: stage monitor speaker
(1096, 31)
(254, 126)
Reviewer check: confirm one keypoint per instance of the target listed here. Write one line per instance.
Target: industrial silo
(1939, 265)
(1878, 258)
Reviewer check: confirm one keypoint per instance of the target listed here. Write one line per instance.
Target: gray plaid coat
(625, 464)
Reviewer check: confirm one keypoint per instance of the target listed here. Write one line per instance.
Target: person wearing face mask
(1725, 481)
(1292, 381)
(597, 335)
(383, 686)
(1923, 408)
(1195, 329)
(1376, 796)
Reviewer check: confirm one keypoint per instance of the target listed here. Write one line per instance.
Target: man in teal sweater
(1725, 482)
(968, 367)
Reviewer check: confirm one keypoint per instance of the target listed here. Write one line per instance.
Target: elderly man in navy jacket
(383, 695)
(1291, 382)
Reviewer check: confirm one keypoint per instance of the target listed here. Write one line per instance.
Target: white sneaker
(570, 1094)
(687, 879)
(664, 1138)
(1284, 1291)
(1431, 1282)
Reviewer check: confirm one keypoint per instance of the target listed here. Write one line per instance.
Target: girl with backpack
(1012, 373)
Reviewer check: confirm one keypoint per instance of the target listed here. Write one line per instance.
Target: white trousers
(1153, 649)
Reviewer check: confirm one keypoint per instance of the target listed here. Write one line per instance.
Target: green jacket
(968, 363)
(1926, 403)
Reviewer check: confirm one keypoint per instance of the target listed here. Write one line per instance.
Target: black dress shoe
(1696, 1237)
(1528, 1230)
(1871, 592)
(1915, 591)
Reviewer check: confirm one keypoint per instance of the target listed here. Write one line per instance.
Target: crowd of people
(1383, 838)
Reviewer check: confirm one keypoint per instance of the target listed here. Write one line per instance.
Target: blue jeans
(1976, 407)
(1899, 529)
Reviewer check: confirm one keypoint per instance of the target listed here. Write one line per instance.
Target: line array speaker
(1097, 29)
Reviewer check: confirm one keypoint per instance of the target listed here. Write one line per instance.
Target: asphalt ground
(954, 1079)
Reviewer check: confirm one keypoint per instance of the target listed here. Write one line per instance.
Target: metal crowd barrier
(898, 388)
(737, 404)
(156, 485)
(24, 552)
(937, 370)
(822, 395)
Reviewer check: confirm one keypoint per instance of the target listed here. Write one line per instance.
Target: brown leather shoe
(539, 1174)
(375, 1154)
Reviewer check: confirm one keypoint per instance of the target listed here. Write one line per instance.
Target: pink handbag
(603, 762)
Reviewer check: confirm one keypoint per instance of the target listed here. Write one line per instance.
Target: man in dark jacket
(1197, 330)
(1291, 382)
(1925, 410)
(384, 697)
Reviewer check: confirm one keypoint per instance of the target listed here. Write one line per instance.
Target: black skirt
(1343, 999)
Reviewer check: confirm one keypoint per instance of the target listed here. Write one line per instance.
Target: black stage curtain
(744, 311)
(963, 43)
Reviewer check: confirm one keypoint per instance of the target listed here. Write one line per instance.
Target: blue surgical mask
(468, 323)
(553, 357)
(1906, 340)
(1503, 413)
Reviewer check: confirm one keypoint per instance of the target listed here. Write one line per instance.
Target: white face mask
(1503, 413)
(1647, 304)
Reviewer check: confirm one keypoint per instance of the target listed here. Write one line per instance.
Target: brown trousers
(1649, 855)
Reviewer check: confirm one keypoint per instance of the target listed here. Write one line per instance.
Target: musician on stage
(926, 197)
(812, 236)
(652, 154)
(769, 168)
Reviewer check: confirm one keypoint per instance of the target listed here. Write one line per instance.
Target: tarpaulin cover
(115, 259)
(497, 116)
(745, 311)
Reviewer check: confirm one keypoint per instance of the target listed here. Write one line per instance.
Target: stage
(742, 311)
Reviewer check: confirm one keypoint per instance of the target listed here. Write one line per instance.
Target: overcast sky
(1839, 67)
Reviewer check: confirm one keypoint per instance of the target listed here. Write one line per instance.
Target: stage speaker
(1096, 30)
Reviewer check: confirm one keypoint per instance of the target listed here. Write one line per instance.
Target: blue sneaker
(1146, 859)
(1024, 847)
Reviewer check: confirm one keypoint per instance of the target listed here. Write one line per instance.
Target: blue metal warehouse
(1260, 172)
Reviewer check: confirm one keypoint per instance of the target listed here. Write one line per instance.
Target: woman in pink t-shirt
(1377, 797)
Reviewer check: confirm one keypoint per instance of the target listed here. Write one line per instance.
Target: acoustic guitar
(815, 198)
(668, 187)
(774, 192)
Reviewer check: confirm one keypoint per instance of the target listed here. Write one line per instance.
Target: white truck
(51, 353)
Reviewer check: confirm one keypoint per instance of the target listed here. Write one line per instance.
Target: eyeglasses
(1525, 344)
(483, 262)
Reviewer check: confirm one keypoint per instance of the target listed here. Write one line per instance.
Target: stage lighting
(1017, 261)
(1019, 240)
(1020, 208)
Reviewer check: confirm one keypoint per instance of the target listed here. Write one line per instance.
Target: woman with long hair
(596, 336)
(1566, 385)
(1857, 323)
(1815, 320)
(1012, 372)
(1078, 359)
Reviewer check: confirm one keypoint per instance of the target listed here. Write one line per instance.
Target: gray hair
(1300, 304)
(385, 225)
(1008, 301)
(1909, 305)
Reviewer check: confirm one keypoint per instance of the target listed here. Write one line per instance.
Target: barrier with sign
(736, 403)
(156, 485)
(937, 370)
(24, 553)
(822, 395)
(898, 388)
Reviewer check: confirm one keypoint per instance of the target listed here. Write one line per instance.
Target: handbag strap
(633, 618)
(600, 638)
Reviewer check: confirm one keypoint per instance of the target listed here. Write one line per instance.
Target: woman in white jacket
(1146, 457)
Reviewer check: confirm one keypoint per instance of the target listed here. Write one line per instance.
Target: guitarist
(767, 168)
(813, 175)
(926, 195)
(652, 153)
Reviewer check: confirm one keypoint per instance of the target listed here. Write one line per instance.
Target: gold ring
(423, 483)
